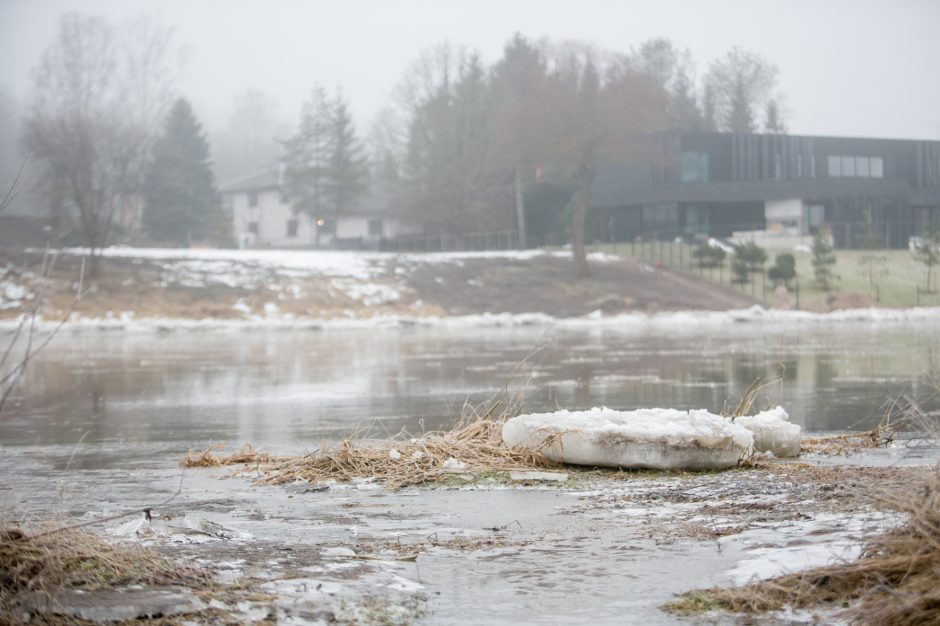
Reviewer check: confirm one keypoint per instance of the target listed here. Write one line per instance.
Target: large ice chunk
(773, 432)
(645, 438)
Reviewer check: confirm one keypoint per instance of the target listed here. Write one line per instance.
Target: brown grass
(896, 580)
(403, 460)
(209, 457)
(77, 559)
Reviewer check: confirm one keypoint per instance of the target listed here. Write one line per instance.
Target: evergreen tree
(181, 201)
(783, 270)
(308, 155)
(823, 260)
(347, 170)
(927, 251)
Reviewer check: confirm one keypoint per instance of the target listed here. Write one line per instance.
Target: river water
(102, 419)
(127, 394)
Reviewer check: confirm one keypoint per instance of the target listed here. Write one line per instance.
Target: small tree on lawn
(752, 255)
(709, 256)
(823, 260)
(871, 265)
(927, 251)
(783, 269)
(742, 273)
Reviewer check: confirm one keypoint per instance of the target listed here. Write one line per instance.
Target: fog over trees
(462, 146)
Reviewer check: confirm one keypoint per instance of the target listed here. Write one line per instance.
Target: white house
(262, 218)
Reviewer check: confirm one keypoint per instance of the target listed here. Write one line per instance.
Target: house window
(253, 228)
(799, 166)
(375, 228)
(292, 227)
(812, 166)
(877, 167)
(694, 167)
(252, 199)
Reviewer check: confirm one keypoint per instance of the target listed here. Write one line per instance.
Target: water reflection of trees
(298, 386)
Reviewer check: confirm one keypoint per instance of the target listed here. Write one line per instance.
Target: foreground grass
(44, 562)
(896, 580)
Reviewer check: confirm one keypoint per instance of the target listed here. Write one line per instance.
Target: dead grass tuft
(474, 445)
(404, 460)
(209, 457)
(77, 559)
(896, 580)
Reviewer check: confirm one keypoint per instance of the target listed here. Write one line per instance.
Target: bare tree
(249, 141)
(517, 121)
(97, 103)
(742, 83)
(603, 110)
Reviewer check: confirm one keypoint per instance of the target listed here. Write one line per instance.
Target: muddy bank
(326, 285)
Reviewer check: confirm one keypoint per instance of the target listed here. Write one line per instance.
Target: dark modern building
(720, 183)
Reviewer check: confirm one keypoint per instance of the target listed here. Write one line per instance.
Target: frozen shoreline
(678, 320)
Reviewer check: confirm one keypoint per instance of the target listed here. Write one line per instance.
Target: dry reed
(473, 445)
(210, 457)
(403, 460)
(896, 580)
(76, 559)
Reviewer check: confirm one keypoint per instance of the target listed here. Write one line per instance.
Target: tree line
(461, 146)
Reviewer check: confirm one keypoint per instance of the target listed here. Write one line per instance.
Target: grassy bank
(893, 279)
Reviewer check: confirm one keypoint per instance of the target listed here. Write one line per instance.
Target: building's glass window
(835, 166)
(856, 166)
(252, 199)
(694, 167)
(375, 228)
(848, 166)
(862, 169)
(812, 166)
(292, 224)
(799, 166)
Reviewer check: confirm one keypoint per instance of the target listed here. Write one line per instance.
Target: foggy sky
(847, 67)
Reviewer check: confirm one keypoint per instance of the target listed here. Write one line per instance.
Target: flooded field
(102, 420)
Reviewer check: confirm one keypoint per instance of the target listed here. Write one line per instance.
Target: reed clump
(212, 457)
(45, 562)
(896, 580)
(473, 445)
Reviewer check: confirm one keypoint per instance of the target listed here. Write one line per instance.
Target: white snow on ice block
(645, 438)
(773, 432)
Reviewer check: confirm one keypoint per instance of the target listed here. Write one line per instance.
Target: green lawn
(897, 279)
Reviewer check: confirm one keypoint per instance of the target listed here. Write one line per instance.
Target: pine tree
(308, 155)
(823, 260)
(181, 201)
(348, 169)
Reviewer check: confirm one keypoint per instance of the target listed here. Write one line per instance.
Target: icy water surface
(126, 393)
(103, 418)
